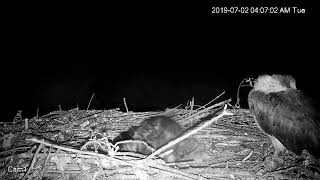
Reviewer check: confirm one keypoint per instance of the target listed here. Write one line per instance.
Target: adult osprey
(285, 114)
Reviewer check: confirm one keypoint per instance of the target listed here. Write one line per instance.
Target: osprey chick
(285, 114)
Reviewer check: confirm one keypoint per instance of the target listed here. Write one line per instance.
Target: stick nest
(77, 144)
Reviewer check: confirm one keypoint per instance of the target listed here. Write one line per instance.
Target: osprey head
(274, 83)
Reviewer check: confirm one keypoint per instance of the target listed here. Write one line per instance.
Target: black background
(156, 54)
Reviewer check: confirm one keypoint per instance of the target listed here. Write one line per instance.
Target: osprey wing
(289, 116)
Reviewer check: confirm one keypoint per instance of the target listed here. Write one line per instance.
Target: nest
(77, 144)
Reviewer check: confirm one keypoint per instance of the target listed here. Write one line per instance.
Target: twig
(26, 124)
(170, 110)
(208, 108)
(131, 154)
(55, 146)
(159, 168)
(175, 107)
(191, 106)
(45, 162)
(211, 101)
(246, 158)
(37, 116)
(227, 165)
(152, 164)
(78, 151)
(16, 149)
(125, 104)
(190, 133)
(280, 173)
(90, 101)
(237, 105)
(174, 172)
(33, 161)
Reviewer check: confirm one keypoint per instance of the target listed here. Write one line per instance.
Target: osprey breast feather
(285, 114)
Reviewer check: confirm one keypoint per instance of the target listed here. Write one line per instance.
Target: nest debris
(77, 144)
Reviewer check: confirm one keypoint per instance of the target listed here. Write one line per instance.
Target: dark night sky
(155, 56)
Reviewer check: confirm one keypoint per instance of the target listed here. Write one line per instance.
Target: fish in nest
(157, 131)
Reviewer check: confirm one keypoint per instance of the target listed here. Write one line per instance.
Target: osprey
(285, 114)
